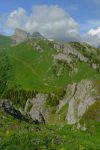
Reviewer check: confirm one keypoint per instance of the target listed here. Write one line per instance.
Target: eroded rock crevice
(74, 103)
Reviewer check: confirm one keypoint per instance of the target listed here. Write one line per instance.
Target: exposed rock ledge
(10, 109)
(79, 97)
(36, 107)
(7, 107)
(84, 96)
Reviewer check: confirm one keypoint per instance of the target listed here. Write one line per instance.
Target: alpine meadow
(49, 76)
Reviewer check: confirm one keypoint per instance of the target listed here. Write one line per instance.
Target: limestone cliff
(78, 97)
(19, 36)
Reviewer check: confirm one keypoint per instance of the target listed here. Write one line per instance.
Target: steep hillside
(4, 71)
(5, 41)
(52, 68)
(49, 94)
(39, 65)
(31, 67)
(19, 135)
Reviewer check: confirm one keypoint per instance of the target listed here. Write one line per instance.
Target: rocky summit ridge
(75, 102)
(20, 36)
(70, 108)
(63, 83)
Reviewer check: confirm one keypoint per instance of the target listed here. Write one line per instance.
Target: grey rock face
(85, 96)
(94, 66)
(37, 35)
(58, 46)
(65, 50)
(37, 47)
(77, 99)
(37, 110)
(68, 56)
(19, 36)
(70, 89)
(63, 57)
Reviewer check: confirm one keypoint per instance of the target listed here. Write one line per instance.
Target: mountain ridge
(49, 94)
(38, 65)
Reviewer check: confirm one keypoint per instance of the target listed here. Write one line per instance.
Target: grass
(33, 70)
(30, 69)
(17, 135)
(5, 41)
(85, 71)
(92, 114)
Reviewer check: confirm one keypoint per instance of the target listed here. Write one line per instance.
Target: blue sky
(80, 10)
(85, 12)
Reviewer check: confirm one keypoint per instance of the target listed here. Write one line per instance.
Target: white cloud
(94, 32)
(51, 21)
(88, 24)
(93, 36)
(16, 18)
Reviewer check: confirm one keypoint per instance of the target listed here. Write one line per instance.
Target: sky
(60, 19)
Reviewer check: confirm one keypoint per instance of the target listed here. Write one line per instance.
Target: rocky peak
(37, 35)
(20, 32)
(19, 36)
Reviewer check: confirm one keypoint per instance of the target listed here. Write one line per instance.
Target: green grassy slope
(30, 69)
(17, 135)
(4, 71)
(92, 114)
(33, 70)
(5, 41)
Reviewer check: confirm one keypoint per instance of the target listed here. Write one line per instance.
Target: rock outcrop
(7, 107)
(37, 35)
(36, 108)
(69, 55)
(67, 50)
(19, 36)
(78, 97)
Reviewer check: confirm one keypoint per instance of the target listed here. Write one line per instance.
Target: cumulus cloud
(94, 32)
(93, 36)
(16, 18)
(51, 21)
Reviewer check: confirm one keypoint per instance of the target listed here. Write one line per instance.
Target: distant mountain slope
(31, 68)
(59, 80)
(5, 41)
(46, 66)
(20, 36)
(15, 134)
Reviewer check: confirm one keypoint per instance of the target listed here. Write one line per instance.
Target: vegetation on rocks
(58, 83)
(18, 135)
(4, 71)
